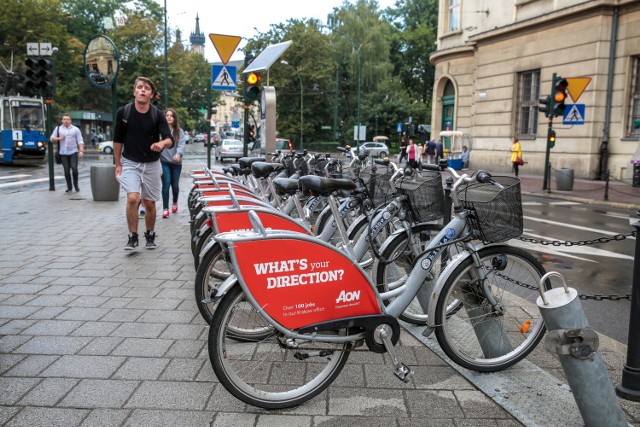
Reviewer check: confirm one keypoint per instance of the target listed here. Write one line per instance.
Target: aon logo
(348, 296)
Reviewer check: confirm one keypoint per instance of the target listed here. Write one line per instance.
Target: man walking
(70, 147)
(141, 133)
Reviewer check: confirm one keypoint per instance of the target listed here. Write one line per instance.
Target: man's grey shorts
(143, 178)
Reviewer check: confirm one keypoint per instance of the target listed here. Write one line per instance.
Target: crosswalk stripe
(28, 181)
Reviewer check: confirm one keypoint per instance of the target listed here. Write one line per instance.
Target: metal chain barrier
(603, 239)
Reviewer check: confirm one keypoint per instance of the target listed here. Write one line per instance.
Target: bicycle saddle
(263, 169)
(324, 186)
(285, 185)
(246, 162)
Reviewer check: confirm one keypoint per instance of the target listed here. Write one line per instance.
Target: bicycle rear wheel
(274, 372)
(471, 334)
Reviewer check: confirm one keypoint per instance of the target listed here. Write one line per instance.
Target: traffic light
(252, 133)
(552, 138)
(39, 77)
(558, 96)
(544, 105)
(251, 87)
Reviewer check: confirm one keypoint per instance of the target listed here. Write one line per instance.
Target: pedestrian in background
(403, 150)
(171, 160)
(430, 151)
(412, 154)
(70, 147)
(464, 156)
(516, 156)
(439, 151)
(141, 133)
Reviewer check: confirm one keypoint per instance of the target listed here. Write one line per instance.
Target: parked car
(229, 149)
(375, 149)
(281, 144)
(201, 137)
(105, 147)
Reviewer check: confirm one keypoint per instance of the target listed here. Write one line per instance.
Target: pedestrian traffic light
(251, 87)
(39, 77)
(552, 138)
(558, 96)
(544, 105)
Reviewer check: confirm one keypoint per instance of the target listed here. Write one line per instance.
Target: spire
(197, 38)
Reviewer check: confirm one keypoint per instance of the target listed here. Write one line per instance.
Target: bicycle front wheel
(472, 334)
(273, 372)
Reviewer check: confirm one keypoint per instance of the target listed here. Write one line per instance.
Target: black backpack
(127, 112)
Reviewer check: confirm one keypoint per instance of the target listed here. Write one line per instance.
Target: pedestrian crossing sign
(223, 77)
(574, 114)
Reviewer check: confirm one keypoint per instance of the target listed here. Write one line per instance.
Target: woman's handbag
(57, 156)
(519, 161)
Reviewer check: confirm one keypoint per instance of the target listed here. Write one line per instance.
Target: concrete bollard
(576, 346)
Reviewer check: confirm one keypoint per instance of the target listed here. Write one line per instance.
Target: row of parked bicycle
(297, 267)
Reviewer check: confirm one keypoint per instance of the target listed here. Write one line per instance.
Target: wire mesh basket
(496, 213)
(425, 195)
(377, 184)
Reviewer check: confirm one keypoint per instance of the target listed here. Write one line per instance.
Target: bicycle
(319, 306)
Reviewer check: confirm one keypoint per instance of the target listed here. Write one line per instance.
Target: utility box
(104, 185)
(564, 179)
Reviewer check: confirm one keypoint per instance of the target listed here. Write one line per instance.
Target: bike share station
(101, 65)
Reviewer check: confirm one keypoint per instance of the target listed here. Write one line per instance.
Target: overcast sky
(243, 17)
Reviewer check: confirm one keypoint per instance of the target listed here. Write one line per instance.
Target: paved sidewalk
(93, 335)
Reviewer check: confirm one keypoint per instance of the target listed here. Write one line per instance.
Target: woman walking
(171, 160)
(516, 155)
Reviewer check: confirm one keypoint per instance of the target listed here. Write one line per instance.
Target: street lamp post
(301, 104)
(166, 61)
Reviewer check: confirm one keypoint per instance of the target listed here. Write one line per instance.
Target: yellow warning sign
(577, 85)
(225, 45)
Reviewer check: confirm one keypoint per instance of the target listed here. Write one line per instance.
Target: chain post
(606, 185)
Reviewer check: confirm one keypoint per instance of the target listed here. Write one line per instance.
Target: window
(454, 15)
(634, 111)
(527, 104)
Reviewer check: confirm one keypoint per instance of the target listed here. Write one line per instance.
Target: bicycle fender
(437, 289)
(222, 289)
(355, 224)
(207, 248)
(391, 239)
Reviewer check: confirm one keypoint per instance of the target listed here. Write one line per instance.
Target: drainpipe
(604, 152)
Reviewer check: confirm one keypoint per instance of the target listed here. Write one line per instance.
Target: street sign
(361, 135)
(574, 115)
(223, 77)
(577, 85)
(399, 127)
(225, 45)
(39, 49)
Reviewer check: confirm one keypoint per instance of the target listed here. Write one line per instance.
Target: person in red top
(412, 154)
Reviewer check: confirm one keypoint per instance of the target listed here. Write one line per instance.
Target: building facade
(496, 59)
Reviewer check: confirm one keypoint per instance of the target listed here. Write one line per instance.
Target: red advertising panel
(299, 283)
(239, 221)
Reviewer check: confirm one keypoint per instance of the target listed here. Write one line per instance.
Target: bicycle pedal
(427, 331)
(403, 372)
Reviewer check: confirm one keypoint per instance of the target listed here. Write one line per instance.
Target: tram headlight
(40, 144)
(19, 144)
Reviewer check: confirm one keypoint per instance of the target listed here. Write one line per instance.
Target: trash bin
(104, 185)
(564, 179)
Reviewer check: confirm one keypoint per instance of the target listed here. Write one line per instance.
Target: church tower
(197, 39)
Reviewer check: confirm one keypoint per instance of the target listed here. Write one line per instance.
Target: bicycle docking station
(576, 346)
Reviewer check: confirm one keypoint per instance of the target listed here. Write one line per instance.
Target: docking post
(629, 387)
(576, 346)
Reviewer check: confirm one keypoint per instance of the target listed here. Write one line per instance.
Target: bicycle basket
(496, 213)
(425, 196)
(377, 185)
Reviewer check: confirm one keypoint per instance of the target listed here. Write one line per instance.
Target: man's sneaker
(132, 243)
(174, 208)
(141, 213)
(165, 213)
(151, 237)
